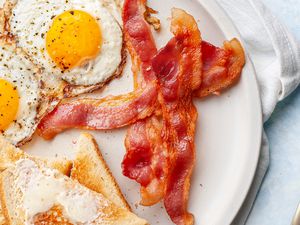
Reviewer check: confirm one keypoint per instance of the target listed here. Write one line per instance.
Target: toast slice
(34, 194)
(90, 169)
(9, 154)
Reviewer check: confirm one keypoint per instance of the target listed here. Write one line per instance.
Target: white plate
(227, 140)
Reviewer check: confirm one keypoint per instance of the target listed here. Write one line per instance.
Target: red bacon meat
(138, 37)
(145, 159)
(177, 66)
(222, 67)
(99, 114)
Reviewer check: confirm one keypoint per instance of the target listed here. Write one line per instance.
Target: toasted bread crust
(91, 170)
(2, 217)
(3, 211)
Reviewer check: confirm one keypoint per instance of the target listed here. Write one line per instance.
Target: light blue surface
(280, 192)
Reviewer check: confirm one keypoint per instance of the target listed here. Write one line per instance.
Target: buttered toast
(90, 169)
(35, 194)
(9, 154)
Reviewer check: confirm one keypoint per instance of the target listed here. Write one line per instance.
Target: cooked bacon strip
(221, 67)
(100, 114)
(176, 66)
(138, 37)
(145, 160)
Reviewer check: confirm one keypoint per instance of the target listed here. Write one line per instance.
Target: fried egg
(77, 41)
(19, 95)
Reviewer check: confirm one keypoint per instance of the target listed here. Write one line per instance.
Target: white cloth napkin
(276, 57)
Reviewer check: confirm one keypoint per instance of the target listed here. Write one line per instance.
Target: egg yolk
(9, 103)
(74, 37)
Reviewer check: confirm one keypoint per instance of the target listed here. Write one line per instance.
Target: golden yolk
(74, 37)
(9, 104)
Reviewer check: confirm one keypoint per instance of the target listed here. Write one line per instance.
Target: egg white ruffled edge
(34, 101)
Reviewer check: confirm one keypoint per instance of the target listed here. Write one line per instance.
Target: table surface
(280, 192)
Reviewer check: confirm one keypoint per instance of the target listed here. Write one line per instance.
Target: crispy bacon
(100, 114)
(138, 37)
(147, 155)
(145, 160)
(177, 66)
(222, 67)
(215, 72)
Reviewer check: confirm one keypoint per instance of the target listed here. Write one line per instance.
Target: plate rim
(222, 20)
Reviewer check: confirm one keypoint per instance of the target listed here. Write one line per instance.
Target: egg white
(31, 19)
(19, 71)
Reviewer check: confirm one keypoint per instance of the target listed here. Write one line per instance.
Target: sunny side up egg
(77, 41)
(19, 95)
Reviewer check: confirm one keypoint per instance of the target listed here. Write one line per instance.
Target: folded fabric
(275, 54)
